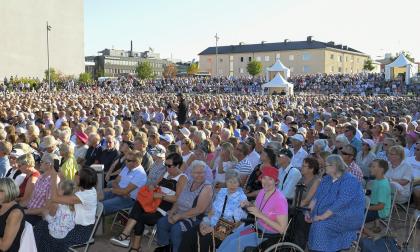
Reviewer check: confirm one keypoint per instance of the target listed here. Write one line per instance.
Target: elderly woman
(337, 209)
(188, 210)
(270, 211)
(200, 154)
(41, 193)
(340, 142)
(226, 206)
(399, 172)
(224, 161)
(365, 157)
(84, 201)
(12, 221)
(187, 147)
(26, 164)
(69, 165)
(387, 144)
(171, 183)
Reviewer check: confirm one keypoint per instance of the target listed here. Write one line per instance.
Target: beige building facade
(233, 60)
(23, 43)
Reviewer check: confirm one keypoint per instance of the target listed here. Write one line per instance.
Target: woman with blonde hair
(225, 161)
(12, 223)
(26, 164)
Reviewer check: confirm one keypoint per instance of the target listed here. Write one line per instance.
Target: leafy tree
(85, 78)
(192, 68)
(55, 75)
(254, 68)
(144, 70)
(170, 71)
(368, 65)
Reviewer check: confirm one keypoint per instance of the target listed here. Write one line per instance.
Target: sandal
(122, 240)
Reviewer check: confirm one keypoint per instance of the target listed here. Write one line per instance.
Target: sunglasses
(169, 165)
(346, 153)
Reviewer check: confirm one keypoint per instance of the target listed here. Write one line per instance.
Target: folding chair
(403, 207)
(91, 240)
(120, 216)
(152, 236)
(387, 221)
(367, 205)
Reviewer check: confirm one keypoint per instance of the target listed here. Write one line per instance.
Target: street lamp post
(217, 56)
(48, 57)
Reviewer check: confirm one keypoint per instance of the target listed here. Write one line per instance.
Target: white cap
(185, 132)
(167, 137)
(298, 137)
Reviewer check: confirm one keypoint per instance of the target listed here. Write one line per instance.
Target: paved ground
(102, 243)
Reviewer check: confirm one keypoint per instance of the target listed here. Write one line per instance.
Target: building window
(220, 60)
(306, 57)
(267, 58)
(347, 59)
(291, 57)
(277, 56)
(332, 69)
(306, 69)
(258, 58)
(242, 59)
(249, 59)
(332, 56)
(241, 70)
(340, 58)
(339, 69)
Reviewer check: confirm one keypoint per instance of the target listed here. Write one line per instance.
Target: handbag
(146, 200)
(224, 227)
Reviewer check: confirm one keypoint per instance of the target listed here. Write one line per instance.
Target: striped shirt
(356, 171)
(244, 167)
(41, 192)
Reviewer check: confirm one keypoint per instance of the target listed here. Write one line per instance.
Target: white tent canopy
(278, 67)
(279, 83)
(402, 61)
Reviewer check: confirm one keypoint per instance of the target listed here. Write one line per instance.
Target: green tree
(254, 68)
(85, 78)
(170, 71)
(144, 70)
(192, 68)
(55, 75)
(368, 65)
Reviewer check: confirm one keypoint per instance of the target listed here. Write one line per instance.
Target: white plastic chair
(27, 240)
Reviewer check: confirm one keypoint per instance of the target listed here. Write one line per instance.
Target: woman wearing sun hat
(270, 210)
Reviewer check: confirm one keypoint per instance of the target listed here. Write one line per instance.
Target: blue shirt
(136, 176)
(357, 143)
(233, 210)
(4, 166)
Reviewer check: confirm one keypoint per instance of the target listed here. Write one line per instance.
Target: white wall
(23, 49)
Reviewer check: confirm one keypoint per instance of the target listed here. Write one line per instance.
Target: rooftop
(279, 46)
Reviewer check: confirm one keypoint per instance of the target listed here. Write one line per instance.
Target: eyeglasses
(346, 153)
(169, 165)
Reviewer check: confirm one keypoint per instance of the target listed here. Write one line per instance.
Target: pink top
(41, 192)
(275, 205)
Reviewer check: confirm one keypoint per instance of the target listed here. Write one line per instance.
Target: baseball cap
(286, 152)
(167, 137)
(298, 137)
(271, 172)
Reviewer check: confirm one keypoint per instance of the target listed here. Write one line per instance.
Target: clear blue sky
(185, 28)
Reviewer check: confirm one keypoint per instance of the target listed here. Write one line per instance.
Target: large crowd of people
(207, 170)
(345, 84)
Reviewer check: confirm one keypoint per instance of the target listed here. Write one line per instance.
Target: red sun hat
(271, 172)
(82, 136)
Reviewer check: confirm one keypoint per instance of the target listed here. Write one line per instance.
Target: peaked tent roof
(277, 67)
(401, 61)
(277, 81)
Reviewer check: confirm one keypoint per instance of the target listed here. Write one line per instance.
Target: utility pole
(217, 56)
(48, 57)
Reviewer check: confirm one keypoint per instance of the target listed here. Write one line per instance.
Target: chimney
(345, 47)
(331, 43)
(131, 48)
(286, 40)
(263, 42)
(309, 39)
(339, 46)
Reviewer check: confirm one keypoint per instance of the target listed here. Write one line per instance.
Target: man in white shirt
(253, 156)
(61, 119)
(125, 187)
(289, 176)
(299, 153)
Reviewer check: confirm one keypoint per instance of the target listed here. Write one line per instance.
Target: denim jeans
(113, 203)
(172, 233)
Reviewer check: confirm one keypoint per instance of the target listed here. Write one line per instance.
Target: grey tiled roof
(281, 46)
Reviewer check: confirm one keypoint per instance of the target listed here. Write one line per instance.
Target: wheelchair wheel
(284, 247)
